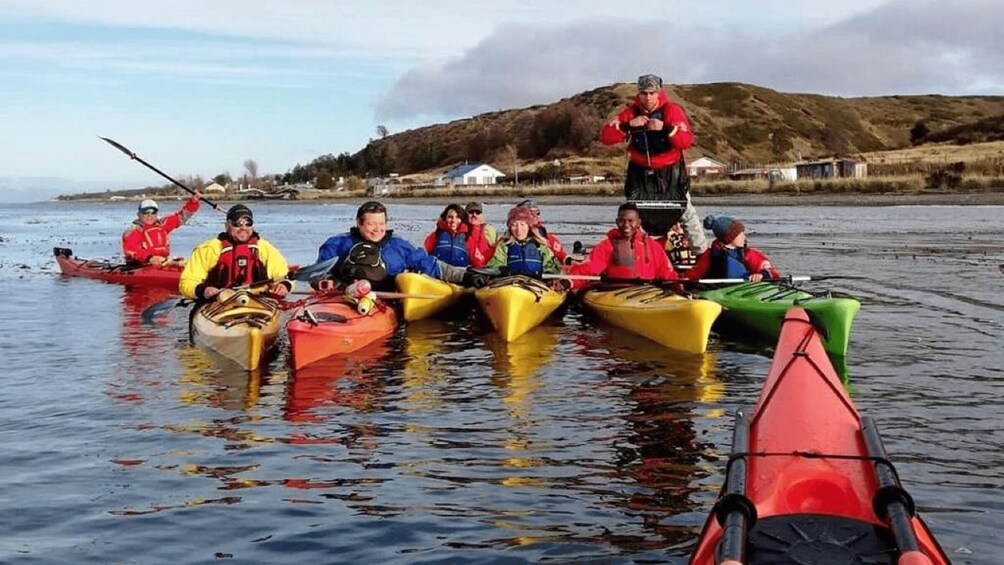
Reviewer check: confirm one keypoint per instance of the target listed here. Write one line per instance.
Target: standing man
(657, 132)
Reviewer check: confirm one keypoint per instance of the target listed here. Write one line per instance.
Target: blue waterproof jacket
(397, 254)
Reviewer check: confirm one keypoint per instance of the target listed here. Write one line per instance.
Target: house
(705, 166)
(834, 167)
(214, 187)
(470, 174)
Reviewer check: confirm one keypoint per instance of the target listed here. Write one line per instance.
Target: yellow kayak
(414, 309)
(517, 304)
(667, 318)
(239, 326)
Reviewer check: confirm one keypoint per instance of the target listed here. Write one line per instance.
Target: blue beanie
(725, 228)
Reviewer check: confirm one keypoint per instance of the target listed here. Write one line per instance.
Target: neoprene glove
(474, 279)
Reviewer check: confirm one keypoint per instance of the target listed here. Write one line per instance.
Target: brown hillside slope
(733, 122)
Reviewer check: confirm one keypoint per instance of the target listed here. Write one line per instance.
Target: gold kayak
(667, 318)
(414, 309)
(238, 325)
(517, 304)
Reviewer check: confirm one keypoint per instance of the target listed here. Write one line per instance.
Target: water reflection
(668, 392)
(339, 381)
(207, 381)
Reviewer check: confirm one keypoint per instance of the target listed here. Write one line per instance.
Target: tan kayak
(656, 313)
(414, 308)
(239, 326)
(517, 304)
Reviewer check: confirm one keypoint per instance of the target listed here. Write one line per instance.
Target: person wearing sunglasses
(657, 132)
(238, 256)
(481, 236)
(372, 252)
(146, 241)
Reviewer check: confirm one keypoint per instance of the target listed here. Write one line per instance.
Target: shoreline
(989, 198)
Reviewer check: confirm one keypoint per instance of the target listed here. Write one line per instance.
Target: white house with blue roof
(470, 174)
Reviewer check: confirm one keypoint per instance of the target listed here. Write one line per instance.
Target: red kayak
(136, 275)
(808, 480)
(329, 325)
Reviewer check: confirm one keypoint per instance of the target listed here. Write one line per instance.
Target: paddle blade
(159, 308)
(311, 273)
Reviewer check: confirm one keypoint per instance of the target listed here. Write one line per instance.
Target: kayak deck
(118, 273)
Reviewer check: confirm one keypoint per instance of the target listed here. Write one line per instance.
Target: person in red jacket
(147, 242)
(657, 132)
(481, 236)
(552, 240)
(448, 242)
(729, 257)
(627, 253)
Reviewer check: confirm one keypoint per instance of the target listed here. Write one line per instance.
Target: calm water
(574, 444)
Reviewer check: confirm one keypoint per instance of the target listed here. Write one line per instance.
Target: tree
(251, 166)
(918, 132)
(382, 131)
(510, 155)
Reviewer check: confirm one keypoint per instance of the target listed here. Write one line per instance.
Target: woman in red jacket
(448, 242)
(729, 257)
(627, 253)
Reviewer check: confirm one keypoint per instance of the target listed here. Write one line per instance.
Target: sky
(198, 87)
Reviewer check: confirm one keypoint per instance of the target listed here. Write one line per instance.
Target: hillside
(734, 123)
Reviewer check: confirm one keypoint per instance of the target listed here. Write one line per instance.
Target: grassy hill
(734, 123)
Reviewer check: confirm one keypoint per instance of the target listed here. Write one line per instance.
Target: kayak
(416, 308)
(761, 306)
(659, 314)
(239, 325)
(119, 273)
(808, 480)
(329, 325)
(517, 304)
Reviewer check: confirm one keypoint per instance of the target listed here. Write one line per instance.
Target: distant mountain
(38, 189)
(733, 122)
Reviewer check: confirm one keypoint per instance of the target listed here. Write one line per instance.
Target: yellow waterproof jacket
(206, 255)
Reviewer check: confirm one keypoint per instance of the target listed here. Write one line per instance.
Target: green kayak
(760, 307)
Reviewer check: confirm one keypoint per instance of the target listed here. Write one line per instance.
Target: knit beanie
(725, 228)
(521, 214)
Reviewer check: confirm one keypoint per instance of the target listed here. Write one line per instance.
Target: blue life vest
(727, 263)
(525, 259)
(452, 249)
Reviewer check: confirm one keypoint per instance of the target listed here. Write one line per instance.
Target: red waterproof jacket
(617, 257)
(675, 117)
(141, 242)
(754, 260)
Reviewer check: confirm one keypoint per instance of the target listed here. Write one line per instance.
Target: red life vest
(622, 263)
(238, 264)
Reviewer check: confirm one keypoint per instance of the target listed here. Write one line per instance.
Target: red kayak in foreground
(808, 479)
(137, 275)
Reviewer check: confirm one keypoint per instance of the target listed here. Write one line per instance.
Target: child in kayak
(448, 242)
(627, 253)
(523, 251)
(729, 257)
(147, 242)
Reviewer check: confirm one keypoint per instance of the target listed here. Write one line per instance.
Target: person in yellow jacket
(237, 256)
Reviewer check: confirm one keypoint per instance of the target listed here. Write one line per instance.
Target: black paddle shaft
(891, 502)
(136, 157)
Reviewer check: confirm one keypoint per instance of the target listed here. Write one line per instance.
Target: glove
(473, 278)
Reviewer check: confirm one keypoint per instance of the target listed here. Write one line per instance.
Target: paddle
(135, 157)
(602, 278)
(307, 274)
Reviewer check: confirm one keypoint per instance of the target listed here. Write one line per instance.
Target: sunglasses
(148, 211)
(242, 223)
(474, 213)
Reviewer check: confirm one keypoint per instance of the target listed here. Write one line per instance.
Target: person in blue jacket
(371, 251)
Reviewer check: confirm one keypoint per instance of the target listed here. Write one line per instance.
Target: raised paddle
(308, 274)
(135, 157)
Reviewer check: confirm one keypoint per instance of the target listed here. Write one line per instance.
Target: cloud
(898, 47)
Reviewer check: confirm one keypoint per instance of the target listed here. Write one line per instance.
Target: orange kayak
(808, 479)
(331, 325)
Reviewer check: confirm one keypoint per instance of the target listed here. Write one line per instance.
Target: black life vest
(364, 261)
(647, 142)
